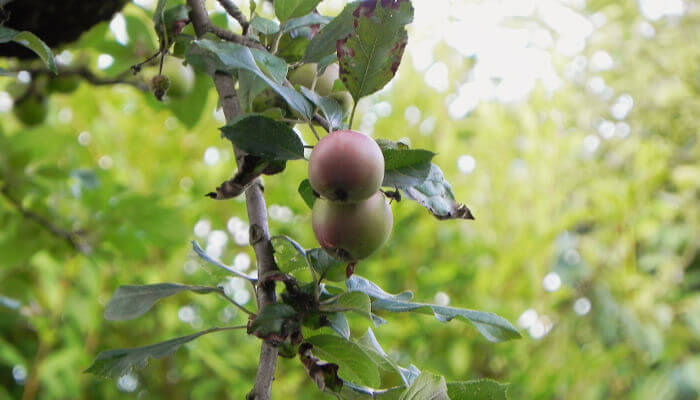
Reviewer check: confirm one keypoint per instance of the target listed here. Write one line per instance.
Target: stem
(313, 130)
(230, 300)
(276, 45)
(236, 13)
(257, 217)
(352, 115)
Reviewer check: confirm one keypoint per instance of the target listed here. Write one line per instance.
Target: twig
(72, 238)
(257, 215)
(323, 122)
(236, 13)
(206, 257)
(89, 76)
(230, 300)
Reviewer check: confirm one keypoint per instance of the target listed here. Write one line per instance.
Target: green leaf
(330, 108)
(264, 25)
(357, 283)
(264, 137)
(273, 66)
(371, 54)
(274, 321)
(326, 266)
(119, 362)
(369, 343)
(130, 302)
(307, 193)
(339, 324)
(290, 256)
(324, 43)
(427, 387)
(216, 55)
(357, 302)
(355, 365)
(286, 9)
(491, 326)
(306, 20)
(32, 42)
(395, 159)
(482, 389)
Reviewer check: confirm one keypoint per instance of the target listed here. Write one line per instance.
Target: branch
(89, 76)
(202, 24)
(236, 13)
(72, 238)
(257, 216)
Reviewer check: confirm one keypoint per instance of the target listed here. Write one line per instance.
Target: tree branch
(72, 238)
(86, 74)
(257, 216)
(202, 24)
(236, 13)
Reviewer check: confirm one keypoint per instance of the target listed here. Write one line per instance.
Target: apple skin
(352, 231)
(304, 76)
(32, 110)
(346, 166)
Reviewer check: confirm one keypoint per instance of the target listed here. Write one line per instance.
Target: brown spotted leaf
(371, 54)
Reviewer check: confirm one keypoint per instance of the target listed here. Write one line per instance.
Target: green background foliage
(611, 215)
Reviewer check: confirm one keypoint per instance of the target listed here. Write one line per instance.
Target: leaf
(357, 283)
(355, 365)
(482, 389)
(435, 194)
(325, 265)
(264, 137)
(491, 326)
(290, 256)
(397, 159)
(306, 20)
(324, 43)
(119, 362)
(275, 322)
(369, 343)
(286, 9)
(324, 375)
(371, 54)
(32, 42)
(427, 387)
(307, 193)
(339, 324)
(130, 302)
(212, 56)
(330, 108)
(250, 168)
(264, 25)
(357, 302)
(274, 66)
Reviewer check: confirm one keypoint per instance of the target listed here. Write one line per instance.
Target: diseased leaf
(330, 109)
(211, 56)
(307, 193)
(435, 194)
(324, 43)
(482, 389)
(370, 55)
(264, 25)
(286, 9)
(355, 365)
(491, 326)
(264, 137)
(275, 322)
(116, 363)
(249, 169)
(324, 375)
(32, 42)
(130, 302)
(427, 387)
(290, 256)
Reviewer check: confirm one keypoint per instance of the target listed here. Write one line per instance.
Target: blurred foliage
(615, 217)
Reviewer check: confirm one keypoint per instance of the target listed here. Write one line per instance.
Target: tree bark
(257, 217)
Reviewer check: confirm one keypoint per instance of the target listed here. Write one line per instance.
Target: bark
(257, 217)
